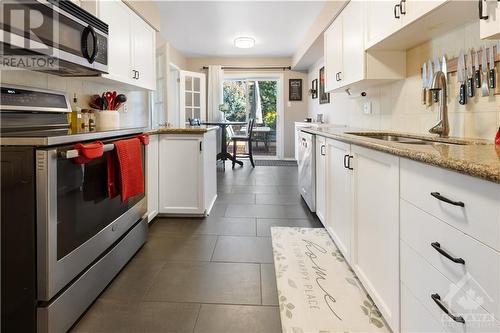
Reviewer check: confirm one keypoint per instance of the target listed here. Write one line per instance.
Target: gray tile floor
(208, 275)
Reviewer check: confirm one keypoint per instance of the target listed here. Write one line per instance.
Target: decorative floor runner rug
(317, 290)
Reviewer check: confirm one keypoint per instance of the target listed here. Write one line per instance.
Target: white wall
(397, 105)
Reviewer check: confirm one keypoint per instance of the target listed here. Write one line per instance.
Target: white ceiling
(208, 28)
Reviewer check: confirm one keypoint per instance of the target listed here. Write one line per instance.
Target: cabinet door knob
(437, 299)
(322, 150)
(445, 254)
(396, 10)
(480, 7)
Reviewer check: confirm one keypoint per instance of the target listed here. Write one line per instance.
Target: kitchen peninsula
(181, 173)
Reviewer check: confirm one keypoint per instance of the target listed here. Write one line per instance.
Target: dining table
(224, 155)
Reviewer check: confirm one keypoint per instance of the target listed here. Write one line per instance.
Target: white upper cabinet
(385, 18)
(411, 10)
(403, 24)
(382, 19)
(143, 52)
(347, 65)
(489, 23)
(131, 45)
(117, 15)
(333, 55)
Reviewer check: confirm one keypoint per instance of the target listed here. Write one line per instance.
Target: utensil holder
(108, 120)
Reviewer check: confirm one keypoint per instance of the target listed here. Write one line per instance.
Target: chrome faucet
(442, 128)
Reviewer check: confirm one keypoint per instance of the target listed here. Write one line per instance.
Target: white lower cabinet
(152, 176)
(375, 256)
(449, 247)
(187, 173)
(321, 178)
(457, 309)
(339, 195)
(424, 241)
(415, 317)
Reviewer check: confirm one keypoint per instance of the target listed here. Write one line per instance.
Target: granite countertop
(183, 130)
(477, 158)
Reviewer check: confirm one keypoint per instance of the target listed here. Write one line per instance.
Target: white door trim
(279, 77)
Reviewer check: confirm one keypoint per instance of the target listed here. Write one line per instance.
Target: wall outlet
(367, 108)
(125, 108)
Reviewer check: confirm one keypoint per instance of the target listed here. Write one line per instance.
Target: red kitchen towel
(144, 138)
(88, 152)
(130, 171)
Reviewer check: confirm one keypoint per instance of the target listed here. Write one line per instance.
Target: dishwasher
(307, 169)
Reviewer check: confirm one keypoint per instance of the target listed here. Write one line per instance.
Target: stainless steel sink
(408, 139)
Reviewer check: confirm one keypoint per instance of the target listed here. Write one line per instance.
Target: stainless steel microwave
(71, 40)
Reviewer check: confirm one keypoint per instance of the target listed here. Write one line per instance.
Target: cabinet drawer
(482, 264)
(423, 281)
(480, 215)
(415, 317)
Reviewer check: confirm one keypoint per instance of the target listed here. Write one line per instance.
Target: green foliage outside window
(235, 97)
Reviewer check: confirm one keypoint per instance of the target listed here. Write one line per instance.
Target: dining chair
(247, 138)
(194, 122)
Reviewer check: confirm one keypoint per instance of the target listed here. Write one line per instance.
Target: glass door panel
(256, 99)
(196, 99)
(192, 96)
(189, 98)
(196, 113)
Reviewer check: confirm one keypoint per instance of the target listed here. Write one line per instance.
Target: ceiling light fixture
(244, 42)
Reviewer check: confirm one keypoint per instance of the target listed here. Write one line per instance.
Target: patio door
(192, 99)
(256, 96)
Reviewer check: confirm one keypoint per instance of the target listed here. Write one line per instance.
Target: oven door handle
(73, 153)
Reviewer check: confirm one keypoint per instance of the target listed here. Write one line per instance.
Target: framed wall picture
(314, 89)
(324, 98)
(295, 89)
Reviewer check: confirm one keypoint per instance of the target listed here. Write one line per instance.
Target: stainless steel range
(63, 239)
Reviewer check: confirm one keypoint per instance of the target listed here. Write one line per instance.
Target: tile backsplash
(397, 106)
(136, 113)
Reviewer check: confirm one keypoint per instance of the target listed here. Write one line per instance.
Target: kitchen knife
(424, 83)
(430, 77)
(437, 68)
(444, 69)
(492, 67)
(485, 90)
(497, 79)
(477, 72)
(470, 74)
(462, 97)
